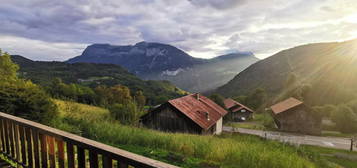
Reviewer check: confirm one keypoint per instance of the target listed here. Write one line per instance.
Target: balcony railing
(29, 144)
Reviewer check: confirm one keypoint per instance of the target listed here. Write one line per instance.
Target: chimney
(198, 96)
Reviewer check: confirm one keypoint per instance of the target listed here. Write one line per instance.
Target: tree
(7, 68)
(127, 114)
(140, 99)
(218, 99)
(23, 98)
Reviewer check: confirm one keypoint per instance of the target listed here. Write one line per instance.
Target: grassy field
(259, 122)
(194, 151)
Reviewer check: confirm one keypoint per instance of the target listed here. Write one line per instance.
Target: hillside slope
(165, 62)
(330, 68)
(92, 75)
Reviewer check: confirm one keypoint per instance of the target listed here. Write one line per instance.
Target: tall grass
(226, 150)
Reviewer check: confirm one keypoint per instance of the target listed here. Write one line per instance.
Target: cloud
(217, 4)
(205, 28)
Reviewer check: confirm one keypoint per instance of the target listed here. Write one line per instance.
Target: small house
(293, 116)
(237, 111)
(193, 113)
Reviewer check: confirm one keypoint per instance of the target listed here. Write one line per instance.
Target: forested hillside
(93, 75)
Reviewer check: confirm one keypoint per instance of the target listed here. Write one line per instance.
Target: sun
(351, 18)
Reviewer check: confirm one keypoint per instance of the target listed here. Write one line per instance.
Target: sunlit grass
(227, 150)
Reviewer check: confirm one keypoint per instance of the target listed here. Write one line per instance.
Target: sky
(61, 29)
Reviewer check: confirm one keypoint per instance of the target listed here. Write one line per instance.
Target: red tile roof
(230, 103)
(195, 107)
(285, 105)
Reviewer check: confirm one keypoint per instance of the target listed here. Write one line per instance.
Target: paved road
(297, 139)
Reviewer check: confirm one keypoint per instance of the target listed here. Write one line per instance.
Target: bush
(27, 100)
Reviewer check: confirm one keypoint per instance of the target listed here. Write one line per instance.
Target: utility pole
(351, 149)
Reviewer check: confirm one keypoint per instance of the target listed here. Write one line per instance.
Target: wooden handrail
(30, 144)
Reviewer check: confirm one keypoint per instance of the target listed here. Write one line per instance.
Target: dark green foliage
(23, 98)
(93, 75)
(127, 114)
(118, 94)
(218, 99)
(27, 100)
(74, 92)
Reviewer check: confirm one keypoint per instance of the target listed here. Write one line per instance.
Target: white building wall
(219, 126)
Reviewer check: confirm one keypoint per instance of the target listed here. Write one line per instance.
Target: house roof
(230, 103)
(285, 105)
(196, 107)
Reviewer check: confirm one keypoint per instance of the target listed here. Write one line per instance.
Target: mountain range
(328, 68)
(165, 62)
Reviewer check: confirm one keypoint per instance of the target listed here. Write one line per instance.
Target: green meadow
(226, 150)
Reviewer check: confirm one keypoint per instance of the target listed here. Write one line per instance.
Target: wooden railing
(29, 144)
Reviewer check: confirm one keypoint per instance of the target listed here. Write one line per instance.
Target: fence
(29, 144)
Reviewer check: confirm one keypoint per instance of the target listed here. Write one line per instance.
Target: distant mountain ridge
(141, 58)
(165, 62)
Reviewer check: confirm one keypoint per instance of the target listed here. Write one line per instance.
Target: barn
(237, 111)
(193, 113)
(293, 116)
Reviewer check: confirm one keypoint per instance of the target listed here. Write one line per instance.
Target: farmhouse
(193, 113)
(237, 111)
(293, 116)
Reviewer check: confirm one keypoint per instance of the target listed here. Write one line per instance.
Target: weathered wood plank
(44, 157)
(60, 149)
(7, 143)
(51, 151)
(81, 157)
(36, 147)
(11, 139)
(2, 135)
(17, 141)
(29, 147)
(93, 159)
(122, 165)
(23, 145)
(107, 162)
(70, 155)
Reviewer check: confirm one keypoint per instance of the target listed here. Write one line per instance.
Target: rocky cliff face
(141, 58)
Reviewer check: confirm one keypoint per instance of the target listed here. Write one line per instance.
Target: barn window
(243, 111)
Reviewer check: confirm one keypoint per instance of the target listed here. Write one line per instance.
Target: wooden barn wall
(167, 118)
(298, 120)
